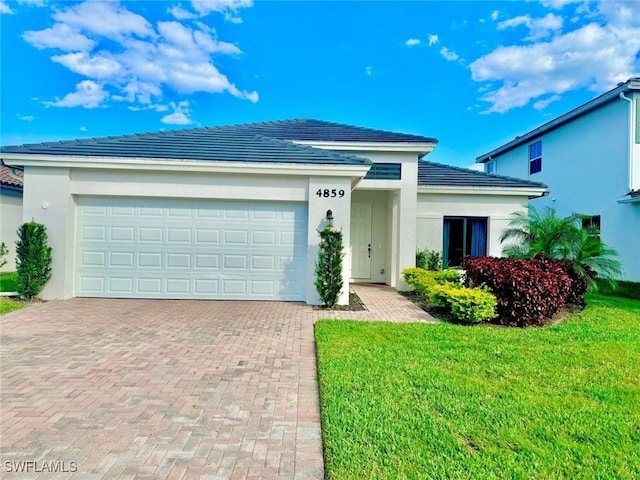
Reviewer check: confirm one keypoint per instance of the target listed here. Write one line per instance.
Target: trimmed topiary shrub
(528, 291)
(33, 259)
(468, 305)
(329, 266)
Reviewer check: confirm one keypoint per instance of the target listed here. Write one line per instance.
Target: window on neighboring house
(490, 167)
(535, 157)
(592, 222)
(463, 236)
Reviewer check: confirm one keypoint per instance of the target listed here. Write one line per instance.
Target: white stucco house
(590, 159)
(10, 211)
(233, 212)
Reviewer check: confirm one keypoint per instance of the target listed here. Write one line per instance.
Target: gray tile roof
(436, 174)
(252, 142)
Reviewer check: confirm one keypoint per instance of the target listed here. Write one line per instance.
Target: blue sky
(472, 74)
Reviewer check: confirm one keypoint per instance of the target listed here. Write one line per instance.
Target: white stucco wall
(10, 220)
(401, 203)
(50, 194)
(433, 207)
(585, 163)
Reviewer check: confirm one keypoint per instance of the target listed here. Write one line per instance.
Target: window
(490, 167)
(384, 171)
(463, 236)
(535, 157)
(592, 222)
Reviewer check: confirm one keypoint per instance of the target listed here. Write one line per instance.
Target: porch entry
(361, 240)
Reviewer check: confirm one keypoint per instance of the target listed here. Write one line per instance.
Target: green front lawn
(7, 305)
(447, 401)
(9, 282)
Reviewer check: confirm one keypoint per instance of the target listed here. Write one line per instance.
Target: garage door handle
(369, 250)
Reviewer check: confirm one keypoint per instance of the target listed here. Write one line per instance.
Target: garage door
(168, 248)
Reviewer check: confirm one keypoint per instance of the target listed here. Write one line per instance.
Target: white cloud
(180, 115)
(136, 61)
(83, 128)
(106, 19)
(26, 118)
(88, 94)
(59, 36)
(368, 70)
(494, 15)
(539, 28)
(229, 8)
(449, 55)
(597, 54)
(558, 4)
(99, 66)
(412, 42)
(36, 3)
(4, 8)
(542, 104)
(433, 39)
(180, 13)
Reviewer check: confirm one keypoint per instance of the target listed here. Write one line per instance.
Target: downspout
(631, 139)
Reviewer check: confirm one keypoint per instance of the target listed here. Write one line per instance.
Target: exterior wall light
(329, 219)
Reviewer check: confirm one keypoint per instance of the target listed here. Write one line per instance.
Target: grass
(9, 281)
(405, 401)
(8, 305)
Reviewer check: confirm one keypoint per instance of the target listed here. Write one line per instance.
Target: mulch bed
(355, 305)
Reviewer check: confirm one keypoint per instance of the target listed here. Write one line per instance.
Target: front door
(361, 240)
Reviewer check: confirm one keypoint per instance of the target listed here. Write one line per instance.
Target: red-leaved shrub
(528, 291)
(579, 283)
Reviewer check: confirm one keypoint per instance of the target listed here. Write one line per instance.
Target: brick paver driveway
(160, 389)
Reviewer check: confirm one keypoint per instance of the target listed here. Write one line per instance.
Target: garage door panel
(167, 248)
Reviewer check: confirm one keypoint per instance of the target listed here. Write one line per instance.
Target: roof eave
(530, 192)
(632, 84)
(420, 148)
(185, 165)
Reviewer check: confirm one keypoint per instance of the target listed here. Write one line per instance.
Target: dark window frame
(535, 157)
(467, 239)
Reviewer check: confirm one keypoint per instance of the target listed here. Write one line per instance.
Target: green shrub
(619, 288)
(434, 260)
(33, 259)
(420, 279)
(429, 260)
(468, 305)
(329, 266)
(4, 251)
(448, 275)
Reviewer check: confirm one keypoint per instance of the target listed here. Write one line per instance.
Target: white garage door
(169, 248)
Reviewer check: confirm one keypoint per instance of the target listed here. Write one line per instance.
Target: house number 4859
(326, 193)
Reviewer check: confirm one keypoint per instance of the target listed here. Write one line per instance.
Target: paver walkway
(143, 389)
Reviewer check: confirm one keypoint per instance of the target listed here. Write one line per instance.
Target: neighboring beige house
(233, 212)
(10, 211)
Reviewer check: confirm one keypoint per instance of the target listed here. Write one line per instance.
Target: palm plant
(560, 238)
